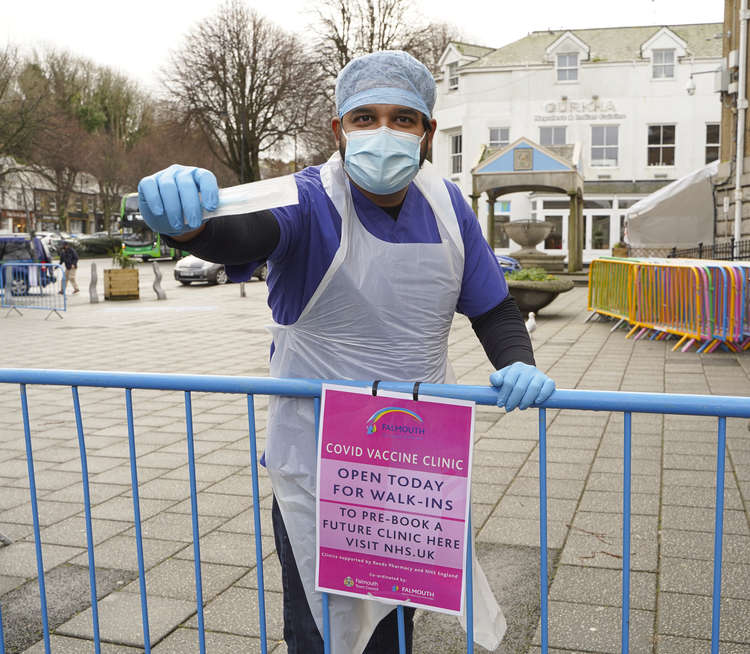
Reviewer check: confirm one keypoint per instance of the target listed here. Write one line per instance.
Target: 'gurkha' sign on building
(593, 109)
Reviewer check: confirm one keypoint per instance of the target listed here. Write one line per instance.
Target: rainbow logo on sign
(375, 417)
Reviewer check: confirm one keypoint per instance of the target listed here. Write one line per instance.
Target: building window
(502, 216)
(567, 67)
(661, 145)
(600, 232)
(712, 142)
(79, 204)
(53, 205)
(604, 144)
(552, 135)
(554, 239)
(456, 147)
(662, 64)
(499, 137)
(453, 75)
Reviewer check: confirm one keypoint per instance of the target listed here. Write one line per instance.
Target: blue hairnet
(386, 77)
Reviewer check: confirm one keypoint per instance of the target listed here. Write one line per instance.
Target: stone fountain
(528, 234)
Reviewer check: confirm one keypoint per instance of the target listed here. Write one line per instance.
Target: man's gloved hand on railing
(169, 200)
(521, 385)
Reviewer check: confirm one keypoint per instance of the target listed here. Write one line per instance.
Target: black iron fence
(730, 250)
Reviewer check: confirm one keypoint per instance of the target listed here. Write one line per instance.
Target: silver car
(192, 269)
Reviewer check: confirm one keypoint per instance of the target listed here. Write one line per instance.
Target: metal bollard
(160, 294)
(93, 297)
(242, 290)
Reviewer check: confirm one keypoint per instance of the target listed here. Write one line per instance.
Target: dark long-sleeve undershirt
(253, 237)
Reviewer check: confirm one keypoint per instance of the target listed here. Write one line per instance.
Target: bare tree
(22, 95)
(126, 113)
(349, 28)
(243, 81)
(61, 145)
(167, 139)
(433, 40)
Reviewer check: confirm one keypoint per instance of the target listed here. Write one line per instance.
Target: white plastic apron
(382, 311)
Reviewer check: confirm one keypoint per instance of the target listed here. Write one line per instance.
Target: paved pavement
(215, 330)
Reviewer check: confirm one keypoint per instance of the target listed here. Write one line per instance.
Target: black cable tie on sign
(415, 392)
(375, 387)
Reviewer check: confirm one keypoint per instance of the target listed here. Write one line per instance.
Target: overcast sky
(136, 36)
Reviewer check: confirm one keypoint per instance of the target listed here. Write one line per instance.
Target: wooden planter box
(619, 252)
(121, 284)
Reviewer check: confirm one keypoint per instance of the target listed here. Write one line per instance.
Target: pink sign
(393, 497)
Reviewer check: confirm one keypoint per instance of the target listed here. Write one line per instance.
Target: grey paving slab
(121, 508)
(98, 493)
(520, 506)
(585, 628)
(176, 526)
(690, 616)
(120, 619)
(72, 531)
(8, 583)
(612, 502)
(176, 578)
(702, 519)
(695, 577)
(205, 472)
(235, 611)
(186, 640)
(519, 531)
(121, 552)
(19, 558)
(229, 548)
(244, 523)
(700, 545)
(48, 512)
(271, 575)
(556, 488)
(215, 504)
(602, 587)
(596, 540)
(700, 496)
(677, 645)
(67, 645)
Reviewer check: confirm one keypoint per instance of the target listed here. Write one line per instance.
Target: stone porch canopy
(527, 166)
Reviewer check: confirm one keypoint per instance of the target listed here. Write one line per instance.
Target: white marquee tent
(681, 214)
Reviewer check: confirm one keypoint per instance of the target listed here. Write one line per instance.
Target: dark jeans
(300, 631)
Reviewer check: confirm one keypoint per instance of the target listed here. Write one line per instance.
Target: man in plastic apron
(382, 308)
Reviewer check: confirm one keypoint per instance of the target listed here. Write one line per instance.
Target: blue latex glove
(521, 385)
(166, 197)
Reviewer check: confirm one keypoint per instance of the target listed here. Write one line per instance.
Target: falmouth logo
(348, 582)
(395, 588)
(394, 412)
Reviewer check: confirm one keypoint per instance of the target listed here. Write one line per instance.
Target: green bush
(530, 275)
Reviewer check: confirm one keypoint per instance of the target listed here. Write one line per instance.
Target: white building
(624, 96)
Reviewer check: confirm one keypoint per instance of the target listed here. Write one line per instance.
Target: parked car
(508, 264)
(17, 248)
(191, 269)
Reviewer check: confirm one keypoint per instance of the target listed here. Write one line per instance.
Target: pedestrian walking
(69, 258)
(365, 272)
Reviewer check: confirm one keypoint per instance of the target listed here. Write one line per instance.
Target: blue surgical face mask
(382, 160)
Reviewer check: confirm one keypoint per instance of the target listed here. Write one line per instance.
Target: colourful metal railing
(701, 302)
(626, 403)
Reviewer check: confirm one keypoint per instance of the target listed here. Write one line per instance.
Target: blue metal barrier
(627, 403)
(33, 286)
